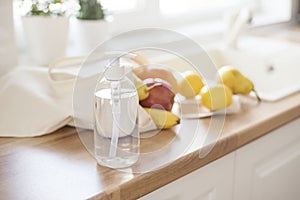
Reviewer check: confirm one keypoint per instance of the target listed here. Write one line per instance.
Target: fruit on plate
(236, 81)
(142, 89)
(191, 84)
(162, 118)
(216, 97)
(146, 72)
(161, 95)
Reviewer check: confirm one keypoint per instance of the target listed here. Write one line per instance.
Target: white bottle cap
(115, 71)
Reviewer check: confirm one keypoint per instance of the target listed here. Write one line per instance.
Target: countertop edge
(137, 187)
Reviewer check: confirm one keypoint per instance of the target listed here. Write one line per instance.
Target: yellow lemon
(191, 84)
(216, 98)
(235, 80)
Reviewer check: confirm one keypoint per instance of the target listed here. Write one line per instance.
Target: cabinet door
(269, 168)
(211, 182)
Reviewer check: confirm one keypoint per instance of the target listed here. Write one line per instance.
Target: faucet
(237, 23)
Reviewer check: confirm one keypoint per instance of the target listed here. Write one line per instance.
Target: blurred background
(201, 20)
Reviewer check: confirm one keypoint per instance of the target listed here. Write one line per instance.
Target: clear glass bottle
(116, 131)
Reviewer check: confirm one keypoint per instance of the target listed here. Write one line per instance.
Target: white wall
(8, 51)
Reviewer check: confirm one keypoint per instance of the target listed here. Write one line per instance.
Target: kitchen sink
(273, 66)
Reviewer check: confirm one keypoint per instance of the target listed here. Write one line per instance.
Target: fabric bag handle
(68, 68)
(65, 69)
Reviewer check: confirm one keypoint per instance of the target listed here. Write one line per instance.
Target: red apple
(160, 96)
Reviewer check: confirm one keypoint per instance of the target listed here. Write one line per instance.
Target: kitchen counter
(57, 166)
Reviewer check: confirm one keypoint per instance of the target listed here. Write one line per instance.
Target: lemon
(216, 98)
(191, 84)
(235, 80)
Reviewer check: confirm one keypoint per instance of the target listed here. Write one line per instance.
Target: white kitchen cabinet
(269, 168)
(265, 169)
(211, 182)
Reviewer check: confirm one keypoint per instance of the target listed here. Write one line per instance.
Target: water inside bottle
(127, 149)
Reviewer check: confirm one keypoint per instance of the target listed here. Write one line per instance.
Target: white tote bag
(35, 101)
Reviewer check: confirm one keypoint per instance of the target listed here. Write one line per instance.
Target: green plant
(46, 8)
(90, 9)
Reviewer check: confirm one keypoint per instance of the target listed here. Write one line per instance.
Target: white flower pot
(89, 34)
(46, 37)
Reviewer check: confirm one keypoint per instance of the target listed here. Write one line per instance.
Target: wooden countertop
(57, 166)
